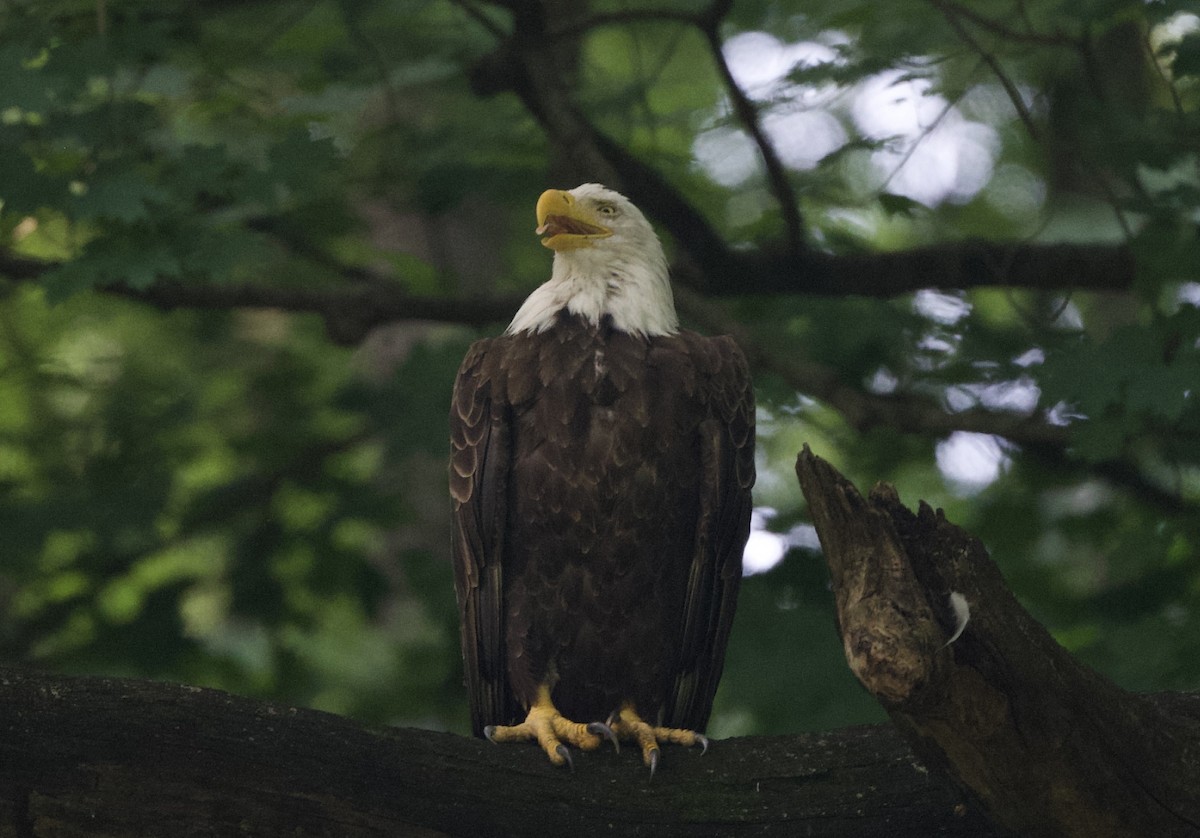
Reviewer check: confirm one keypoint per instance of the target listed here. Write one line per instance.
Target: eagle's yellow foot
(628, 725)
(550, 729)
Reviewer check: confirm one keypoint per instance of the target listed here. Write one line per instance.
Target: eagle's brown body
(601, 489)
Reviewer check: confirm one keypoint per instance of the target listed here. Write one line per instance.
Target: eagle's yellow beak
(565, 224)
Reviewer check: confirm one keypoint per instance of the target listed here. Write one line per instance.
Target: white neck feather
(626, 280)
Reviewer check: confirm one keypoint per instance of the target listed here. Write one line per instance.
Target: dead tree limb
(1044, 744)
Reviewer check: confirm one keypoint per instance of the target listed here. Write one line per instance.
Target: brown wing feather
(480, 449)
(727, 462)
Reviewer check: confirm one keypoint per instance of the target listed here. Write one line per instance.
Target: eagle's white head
(607, 261)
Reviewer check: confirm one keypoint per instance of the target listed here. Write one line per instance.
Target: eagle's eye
(606, 209)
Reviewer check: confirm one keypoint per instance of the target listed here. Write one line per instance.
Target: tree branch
(1003, 31)
(747, 114)
(123, 757)
(350, 310)
(951, 13)
(1119, 473)
(489, 25)
(369, 300)
(1047, 746)
(963, 265)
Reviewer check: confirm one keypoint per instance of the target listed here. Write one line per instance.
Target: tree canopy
(244, 245)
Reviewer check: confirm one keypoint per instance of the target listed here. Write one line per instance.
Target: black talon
(565, 753)
(703, 740)
(653, 762)
(602, 729)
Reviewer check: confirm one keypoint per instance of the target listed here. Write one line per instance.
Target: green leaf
(222, 253)
(152, 264)
(132, 257)
(1165, 251)
(1099, 440)
(1165, 392)
(299, 161)
(123, 195)
(21, 86)
(1093, 377)
(22, 188)
(898, 204)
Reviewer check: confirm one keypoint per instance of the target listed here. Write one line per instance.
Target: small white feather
(962, 616)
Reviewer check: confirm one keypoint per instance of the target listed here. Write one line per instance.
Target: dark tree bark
(92, 756)
(1046, 745)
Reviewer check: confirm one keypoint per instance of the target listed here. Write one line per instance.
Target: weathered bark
(92, 756)
(1046, 745)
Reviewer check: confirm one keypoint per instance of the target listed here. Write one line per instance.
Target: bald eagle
(600, 472)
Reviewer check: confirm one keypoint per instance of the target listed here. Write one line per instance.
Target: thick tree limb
(90, 756)
(1046, 745)
(350, 309)
(957, 265)
(965, 264)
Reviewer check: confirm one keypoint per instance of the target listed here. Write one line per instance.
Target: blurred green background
(223, 494)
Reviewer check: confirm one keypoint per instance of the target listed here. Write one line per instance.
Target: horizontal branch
(350, 309)
(949, 265)
(959, 265)
(125, 757)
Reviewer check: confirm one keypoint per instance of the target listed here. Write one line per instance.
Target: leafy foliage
(227, 497)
